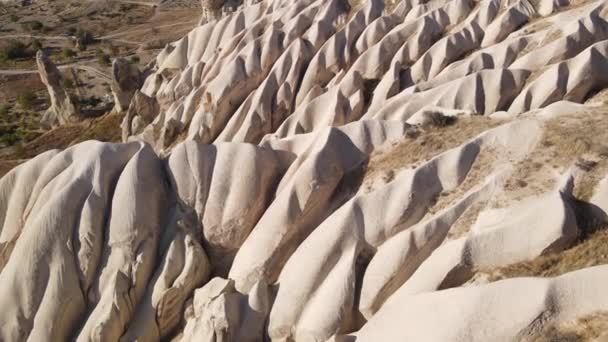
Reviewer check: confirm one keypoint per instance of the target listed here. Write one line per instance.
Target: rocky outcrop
(126, 80)
(220, 313)
(329, 171)
(488, 312)
(62, 110)
(142, 111)
(211, 10)
(277, 77)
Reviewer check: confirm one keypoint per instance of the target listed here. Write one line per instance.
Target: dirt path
(76, 65)
(36, 37)
(123, 33)
(29, 36)
(142, 3)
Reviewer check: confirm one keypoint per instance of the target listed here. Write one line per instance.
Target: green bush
(84, 37)
(135, 59)
(68, 83)
(14, 50)
(26, 100)
(9, 138)
(3, 110)
(14, 18)
(91, 101)
(68, 53)
(33, 25)
(36, 45)
(104, 60)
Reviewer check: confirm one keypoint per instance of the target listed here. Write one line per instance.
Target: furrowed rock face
(330, 171)
(62, 110)
(126, 80)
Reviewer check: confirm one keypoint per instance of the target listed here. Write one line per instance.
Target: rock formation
(212, 9)
(142, 111)
(126, 80)
(62, 109)
(329, 171)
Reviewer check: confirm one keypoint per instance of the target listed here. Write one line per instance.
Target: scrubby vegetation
(104, 60)
(33, 26)
(592, 251)
(102, 129)
(584, 329)
(83, 39)
(90, 101)
(26, 100)
(68, 53)
(68, 83)
(14, 50)
(36, 45)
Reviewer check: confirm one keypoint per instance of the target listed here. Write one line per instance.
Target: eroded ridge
(330, 171)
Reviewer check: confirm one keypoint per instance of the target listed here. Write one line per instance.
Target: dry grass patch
(413, 151)
(58, 138)
(583, 140)
(7, 165)
(587, 328)
(464, 223)
(598, 98)
(575, 139)
(592, 251)
(14, 85)
(105, 128)
(481, 168)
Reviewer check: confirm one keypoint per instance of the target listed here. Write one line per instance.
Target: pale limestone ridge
(320, 170)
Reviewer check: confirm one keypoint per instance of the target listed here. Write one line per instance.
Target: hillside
(314, 170)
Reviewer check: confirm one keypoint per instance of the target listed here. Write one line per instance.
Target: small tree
(84, 37)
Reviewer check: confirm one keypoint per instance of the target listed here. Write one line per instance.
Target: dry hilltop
(304, 170)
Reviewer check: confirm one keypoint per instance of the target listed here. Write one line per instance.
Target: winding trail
(76, 65)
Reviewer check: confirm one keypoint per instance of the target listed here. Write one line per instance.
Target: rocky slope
(329, 171)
